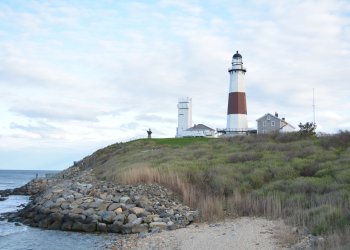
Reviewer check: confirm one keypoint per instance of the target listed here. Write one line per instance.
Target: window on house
(272, 123)
(268, 118)
(264, 124)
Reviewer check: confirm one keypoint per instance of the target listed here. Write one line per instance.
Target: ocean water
(22, 237)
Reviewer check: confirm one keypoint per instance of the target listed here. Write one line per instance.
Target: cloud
(155, 118)
(106, 71)
(53, 113)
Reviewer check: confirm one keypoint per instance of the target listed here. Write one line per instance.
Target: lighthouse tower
(184, 115)
(237, 107)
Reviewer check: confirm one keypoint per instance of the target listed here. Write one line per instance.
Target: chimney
(276, 114)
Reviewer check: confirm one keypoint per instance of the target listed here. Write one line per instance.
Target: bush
(243, 157)
(307, 129)
(340, 140)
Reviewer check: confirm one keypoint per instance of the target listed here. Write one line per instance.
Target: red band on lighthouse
(237, 103)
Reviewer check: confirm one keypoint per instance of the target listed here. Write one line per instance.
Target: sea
(14, 237)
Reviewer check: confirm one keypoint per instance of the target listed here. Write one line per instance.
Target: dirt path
(242, 233)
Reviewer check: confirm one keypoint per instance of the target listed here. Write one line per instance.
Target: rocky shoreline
(72, 202)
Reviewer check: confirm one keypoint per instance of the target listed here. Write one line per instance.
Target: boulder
(131, 218)
(73, 205)
(65, 205)
(89, 212)
(157, 219)
(139, 228)
(138, 221)
(116, 227)
(89, 228)
(77, 226)
(119, 210)
(126, 228)
(120, 218)
(108, 216)
(137, 210)
(161, 225)
(77, 210)
(66, 226)
(44, 223)
(148, 218)
(103, 206)
(101, 227)
(55, 225)
(113, 206)
(116, 198)
(48, 204)
(125, 200)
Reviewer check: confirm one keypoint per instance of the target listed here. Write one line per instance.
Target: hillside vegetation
(305, 180)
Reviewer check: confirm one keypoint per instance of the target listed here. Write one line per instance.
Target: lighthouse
(237, 107)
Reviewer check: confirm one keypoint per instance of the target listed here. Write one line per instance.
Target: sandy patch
(240, 233)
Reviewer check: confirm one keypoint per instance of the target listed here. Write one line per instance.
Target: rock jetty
(87, 205)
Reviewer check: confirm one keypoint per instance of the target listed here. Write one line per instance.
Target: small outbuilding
(269, 123)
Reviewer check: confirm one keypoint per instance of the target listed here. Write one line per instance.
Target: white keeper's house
(269, 123)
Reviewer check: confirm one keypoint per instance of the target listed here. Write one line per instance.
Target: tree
(307, 129)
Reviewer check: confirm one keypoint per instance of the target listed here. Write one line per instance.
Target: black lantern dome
(237, 55)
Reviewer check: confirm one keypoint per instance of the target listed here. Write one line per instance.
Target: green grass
(306, 181)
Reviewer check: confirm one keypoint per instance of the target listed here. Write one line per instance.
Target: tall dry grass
(210, 206)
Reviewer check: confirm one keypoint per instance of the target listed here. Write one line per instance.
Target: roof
(237, 55)
(199, 127)
(286, 123)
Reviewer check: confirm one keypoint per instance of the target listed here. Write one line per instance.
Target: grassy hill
(305, 180)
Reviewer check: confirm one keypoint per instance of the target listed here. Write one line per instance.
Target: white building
(185, 128)
(184, 115)
(269, 123)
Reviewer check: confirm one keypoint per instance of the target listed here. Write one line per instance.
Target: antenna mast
(313, 103)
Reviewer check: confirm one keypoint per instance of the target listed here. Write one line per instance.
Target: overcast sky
(79, 75)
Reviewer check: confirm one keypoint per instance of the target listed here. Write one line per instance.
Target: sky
(76, 76)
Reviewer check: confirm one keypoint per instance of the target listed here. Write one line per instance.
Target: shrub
(307, 129)
(340, 140)
(243, 157)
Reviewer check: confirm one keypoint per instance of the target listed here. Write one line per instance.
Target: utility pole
(313, 104)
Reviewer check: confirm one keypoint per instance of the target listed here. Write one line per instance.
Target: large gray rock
(77, 226)
(126, 228)
(108, 216)
(48, 204)
(77, 210)
(101, 227)
(116, 227)
(125, 199)
(120, 218)
(76, 217)
(139, 228)
(89, 212)
(116, 198)
(161, 225)
(113, 206)
(137, 210)
(131, 218)
(67, 226)
(97, 203)
(89, 228)
(138, 221)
